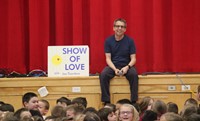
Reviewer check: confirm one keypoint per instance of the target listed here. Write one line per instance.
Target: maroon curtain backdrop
(166, 32)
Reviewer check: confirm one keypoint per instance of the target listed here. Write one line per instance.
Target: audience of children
(147, 109)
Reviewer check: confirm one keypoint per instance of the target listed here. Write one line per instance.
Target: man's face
(32, 104)
(119, 28)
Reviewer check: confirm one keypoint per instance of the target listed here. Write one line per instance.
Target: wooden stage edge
(169, 88)
(192, 79)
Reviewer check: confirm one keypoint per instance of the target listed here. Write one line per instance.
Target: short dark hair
(90, 109)
(149, 115)
(172, 107)
(27, 96)
(124, 101)
(7, 107)
(103, 113)
(64, 100)
(36, 113)
(121, 20)
(80, 101)
(1, 103)
(19, 111)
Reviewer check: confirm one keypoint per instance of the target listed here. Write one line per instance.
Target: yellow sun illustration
(56, 60)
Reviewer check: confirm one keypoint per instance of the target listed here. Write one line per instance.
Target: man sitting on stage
(120, 55)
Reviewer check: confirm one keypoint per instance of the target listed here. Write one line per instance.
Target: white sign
(43, 91)
(68, 61)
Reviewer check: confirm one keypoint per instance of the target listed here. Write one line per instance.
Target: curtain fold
(166, 32)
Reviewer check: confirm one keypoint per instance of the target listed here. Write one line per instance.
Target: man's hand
(117, 72)
(125, 69)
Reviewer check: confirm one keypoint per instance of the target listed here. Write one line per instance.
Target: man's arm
(110, 63)
(133, 60)
(131, 63)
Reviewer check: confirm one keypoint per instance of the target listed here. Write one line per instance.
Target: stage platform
(169, 88)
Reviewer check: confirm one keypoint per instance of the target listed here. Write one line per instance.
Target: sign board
(68, 61)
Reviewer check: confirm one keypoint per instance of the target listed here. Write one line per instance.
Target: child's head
(107, 114)
(22, 113)
(30, 101)
(126, 112)
(43, 106)
(80, 101)
(191, 101)
(63, 101)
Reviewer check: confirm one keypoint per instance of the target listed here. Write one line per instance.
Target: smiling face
(119, 28)
(32, 104)
(126, 112)
(42, 108)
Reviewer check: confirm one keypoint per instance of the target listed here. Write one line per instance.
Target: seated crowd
(147, 109)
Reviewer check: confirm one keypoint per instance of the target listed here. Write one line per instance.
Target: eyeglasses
(118, 26)
(125, 112)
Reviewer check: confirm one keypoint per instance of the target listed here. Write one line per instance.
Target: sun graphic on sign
(56, 60)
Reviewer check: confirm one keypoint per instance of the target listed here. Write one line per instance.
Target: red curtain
(166, 32)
